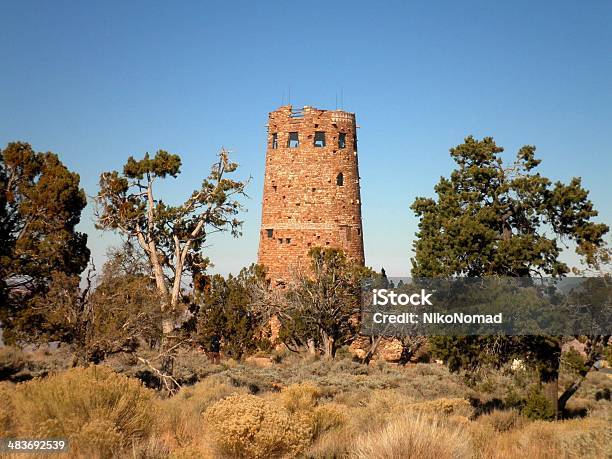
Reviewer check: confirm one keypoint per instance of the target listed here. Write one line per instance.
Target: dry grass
(414, 436)
(503, 420)
(542, 440)
(6, 409)
(300, 408)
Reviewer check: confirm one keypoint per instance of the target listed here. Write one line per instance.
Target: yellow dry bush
(252, 427)
(414, 436)
(98, 437)
(328, 417)
(300, 397)
(303, 400)
(181, 421)
(99, 410)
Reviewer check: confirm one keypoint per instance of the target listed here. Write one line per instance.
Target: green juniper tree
(225, 313)
(40, 206)
(172, 237)
(322, 306)
(489, 219)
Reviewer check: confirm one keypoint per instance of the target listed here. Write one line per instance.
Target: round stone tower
(311, 189)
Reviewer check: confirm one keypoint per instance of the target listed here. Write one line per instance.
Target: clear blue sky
(98, 81)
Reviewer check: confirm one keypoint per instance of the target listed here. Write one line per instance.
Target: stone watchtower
(311, 189)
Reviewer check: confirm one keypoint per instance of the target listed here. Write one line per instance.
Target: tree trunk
(167, 325)
(179, 265)
(582, 374)
(158, 272)
(373, 347)
(567, 394)
(328, 345)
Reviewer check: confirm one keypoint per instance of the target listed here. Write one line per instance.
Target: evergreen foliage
(40, 205)
(489, 219)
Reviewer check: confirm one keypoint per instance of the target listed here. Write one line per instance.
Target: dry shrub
(300, 397)
(249, 426)
(419, 436)
(374, 414)
(181, 420)
(444, 406)
(153, 448)
(100, 411)
(538, 406)
(333, 444)
(334, 432)
(328, 417)
(378, 409)
(503, 420)
(304, 398)
(98, 436)
(208, 391)
(579, 438)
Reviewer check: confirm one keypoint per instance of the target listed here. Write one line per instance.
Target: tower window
(340, 179)
(288, 240)
(319, 139)
(270, 232)
(294, 140)
(342, 140)
(275, 140)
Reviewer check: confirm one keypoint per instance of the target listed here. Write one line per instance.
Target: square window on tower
(293, 141)
(319, 139)
(342, 140)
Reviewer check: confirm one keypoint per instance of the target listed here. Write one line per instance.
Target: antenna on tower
(289, 95)
(336, 99)
(342, 98)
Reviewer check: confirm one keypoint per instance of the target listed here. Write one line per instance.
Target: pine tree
(40, 206)
(489, 219)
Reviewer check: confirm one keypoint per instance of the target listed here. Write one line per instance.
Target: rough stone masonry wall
(304, 206)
